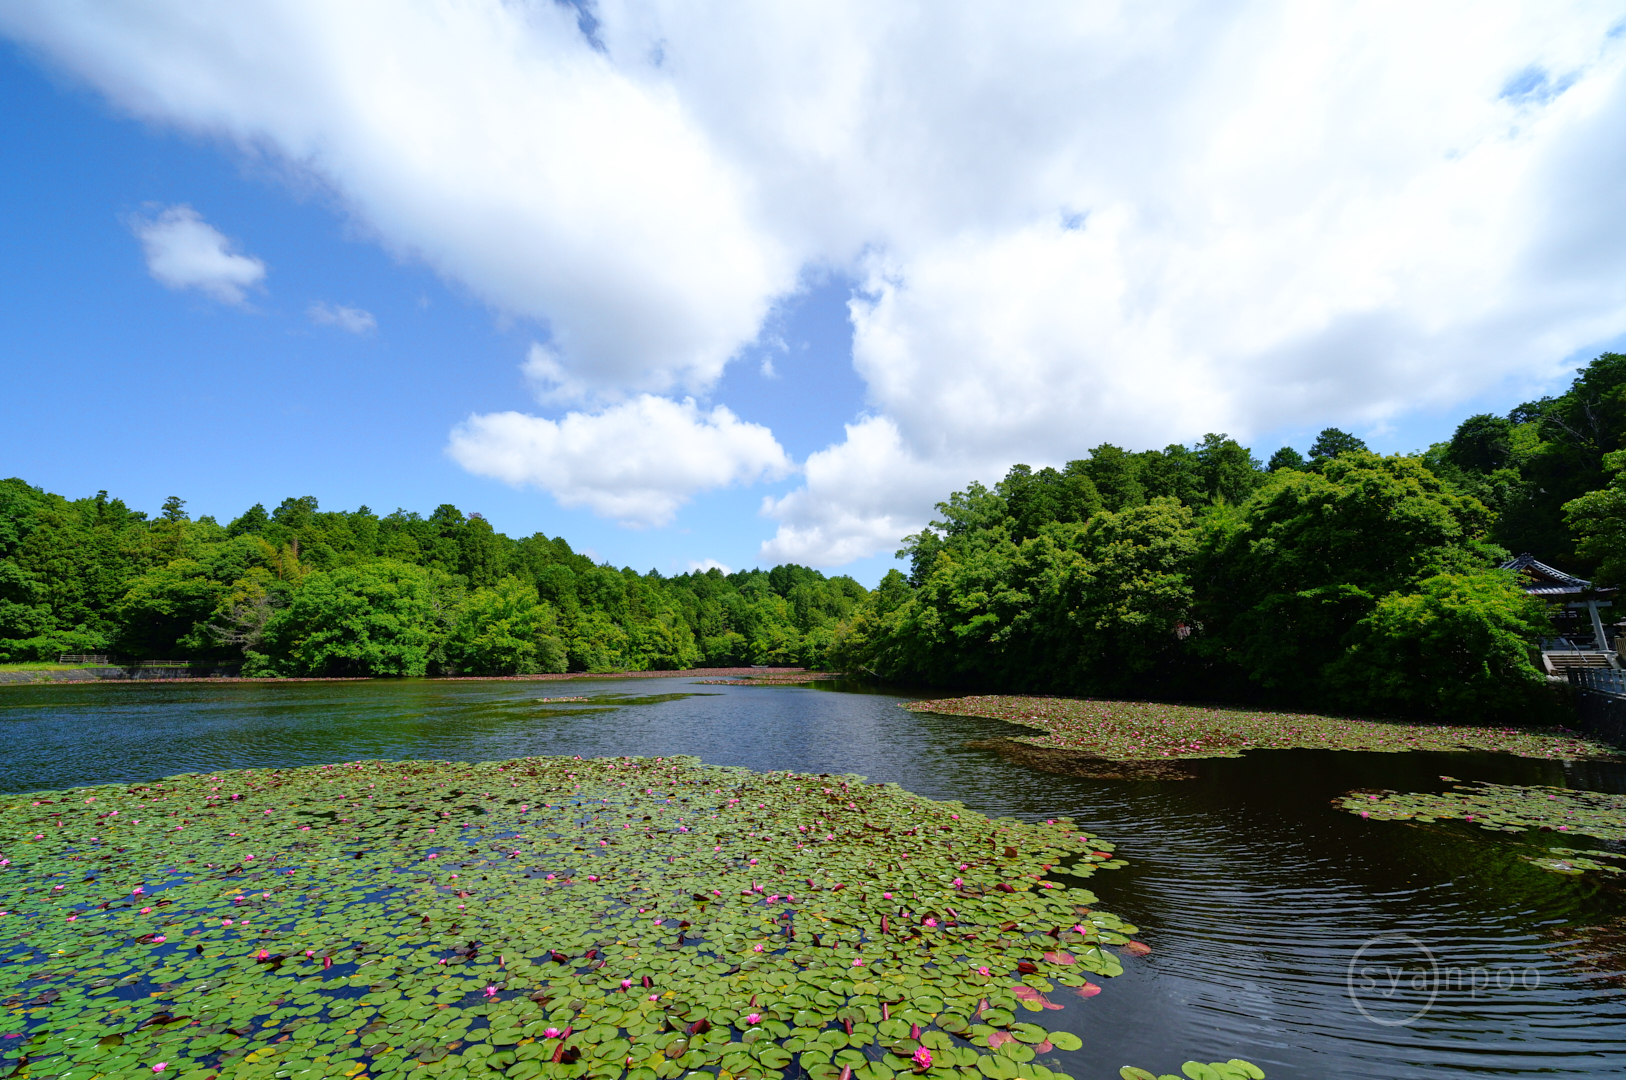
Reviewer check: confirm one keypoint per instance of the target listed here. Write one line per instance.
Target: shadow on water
(1255, 893)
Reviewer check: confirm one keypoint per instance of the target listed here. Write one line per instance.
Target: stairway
(1561, 663)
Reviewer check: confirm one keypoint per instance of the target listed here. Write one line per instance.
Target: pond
(1258, 897)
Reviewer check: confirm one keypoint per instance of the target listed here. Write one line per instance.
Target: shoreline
(746, 676)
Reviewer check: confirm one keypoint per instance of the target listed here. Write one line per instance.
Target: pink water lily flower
(754, 1018)
(552, 1033)
(491, 991)
(161, 1066)
(922, 1058)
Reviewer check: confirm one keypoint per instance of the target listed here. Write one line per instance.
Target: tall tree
(1331, 443)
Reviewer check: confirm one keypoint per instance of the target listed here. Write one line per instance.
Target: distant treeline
(1341, 579)
(300, 590)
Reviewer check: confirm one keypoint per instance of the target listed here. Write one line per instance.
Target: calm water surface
(1255, 894)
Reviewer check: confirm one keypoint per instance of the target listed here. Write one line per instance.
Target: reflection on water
(1255, 893)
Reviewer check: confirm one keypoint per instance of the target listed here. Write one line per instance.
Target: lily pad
(1085, 733)
(544, 916)
(1508, 808)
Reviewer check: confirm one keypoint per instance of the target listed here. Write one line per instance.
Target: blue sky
(119, 383)
(561, 277)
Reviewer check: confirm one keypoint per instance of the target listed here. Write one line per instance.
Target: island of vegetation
(1146, 731)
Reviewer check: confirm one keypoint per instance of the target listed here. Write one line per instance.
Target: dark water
(1255, 894)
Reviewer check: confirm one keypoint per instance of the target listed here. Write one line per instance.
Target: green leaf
(997, 1068)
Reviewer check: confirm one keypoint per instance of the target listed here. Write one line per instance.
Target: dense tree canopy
(1343, 579)
(302, 590)
(1311, 554)
(1542, 455)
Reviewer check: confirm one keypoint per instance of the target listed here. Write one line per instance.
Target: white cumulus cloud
(703, 565)
(637, 461)
(185, 252)
(355, 320)
(862, 495)
(1073, 221)
(489, 140)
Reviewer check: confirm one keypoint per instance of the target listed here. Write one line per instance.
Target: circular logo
(1393, 980)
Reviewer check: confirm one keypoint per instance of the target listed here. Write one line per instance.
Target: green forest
(1339, 578)
(303, 591)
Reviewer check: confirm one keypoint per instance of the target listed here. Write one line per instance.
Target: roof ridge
(1527, 561)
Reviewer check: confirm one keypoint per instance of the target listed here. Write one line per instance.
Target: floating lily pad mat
(1235, 1069)
(776, 679)
(582, 705)
(1141, 730)
(1501, 807)
(553, 917)
(1573, 861)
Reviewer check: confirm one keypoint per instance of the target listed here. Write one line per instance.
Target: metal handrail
(108, 658)
(1602, 680)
